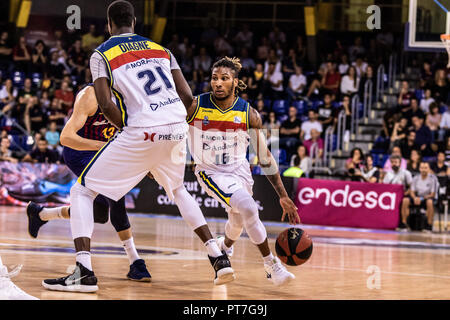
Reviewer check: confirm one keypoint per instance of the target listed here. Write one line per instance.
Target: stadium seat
(36, 78)
(419, 94)
(279, 107)
(301, 107)
(18, 79)
(267, 103)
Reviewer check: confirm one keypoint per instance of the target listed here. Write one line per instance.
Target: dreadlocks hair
(235, 65)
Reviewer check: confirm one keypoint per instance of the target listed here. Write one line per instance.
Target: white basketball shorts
(222, 185)
(127, 158)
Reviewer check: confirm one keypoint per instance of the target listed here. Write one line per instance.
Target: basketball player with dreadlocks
(219, 124)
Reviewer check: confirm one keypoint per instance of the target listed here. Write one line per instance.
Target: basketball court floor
(345, 263)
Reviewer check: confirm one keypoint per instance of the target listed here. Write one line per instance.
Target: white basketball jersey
(141, 81)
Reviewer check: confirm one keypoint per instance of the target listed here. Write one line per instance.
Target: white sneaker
(277, 273)
(8, 290)
(221, 244)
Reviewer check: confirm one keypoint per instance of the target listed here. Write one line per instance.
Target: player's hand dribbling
(290, 209)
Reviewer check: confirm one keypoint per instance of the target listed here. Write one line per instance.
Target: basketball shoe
(8, 290)
(34, 221)
(222, 268)
(277, 273)
(139, 272)
(81, 280)
(221, 244)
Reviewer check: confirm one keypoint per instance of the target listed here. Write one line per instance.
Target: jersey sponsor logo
(140, 63)
(155, 106)
(166, 137)
(206, 146)
(100, 123)
(237, 119)
(205, 120)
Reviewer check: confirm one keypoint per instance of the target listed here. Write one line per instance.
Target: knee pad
(101, 210)
(118, 213)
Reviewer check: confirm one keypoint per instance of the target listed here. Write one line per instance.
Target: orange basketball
(293, 246)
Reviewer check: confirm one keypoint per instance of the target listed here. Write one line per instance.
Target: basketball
(293, 246)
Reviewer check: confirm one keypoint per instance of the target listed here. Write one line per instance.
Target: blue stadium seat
(301, 107)
(419, 94)
(36, 78)
(18, 79)
(315, 105)
(282, 117)
(267, 103)
(279, 107)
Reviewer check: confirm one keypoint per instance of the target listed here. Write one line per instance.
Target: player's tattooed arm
(270, 167)
(108, 107)
(85, 106)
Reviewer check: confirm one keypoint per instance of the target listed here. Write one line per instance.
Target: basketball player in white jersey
(8, 290)
(150, 98)
(220, 122)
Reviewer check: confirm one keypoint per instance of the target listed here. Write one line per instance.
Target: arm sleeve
(98, 67)
(173, 62)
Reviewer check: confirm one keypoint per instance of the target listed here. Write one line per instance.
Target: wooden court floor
(345, 264)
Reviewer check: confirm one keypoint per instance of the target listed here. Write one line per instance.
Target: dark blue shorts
(77, 160)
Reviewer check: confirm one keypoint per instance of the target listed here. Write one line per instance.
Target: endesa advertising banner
(350, 204)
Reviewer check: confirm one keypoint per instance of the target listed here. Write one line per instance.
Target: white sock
(84, 257)
(51, 213)
(130, 249)
(1, 263)
(269, 259)
(212, 248)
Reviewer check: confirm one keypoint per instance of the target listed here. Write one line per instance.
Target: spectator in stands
(444, 130)
(274, 83)
(55, 68)
(409, 143)
(174, 45)
(426, 77)
(91, 40)
(276, 35)
(304, 162)
(433, 120)
(369, 75)
(423, 136)
(202, 65)
(183, 46)
(314, 146)
(414, 162)
(52, 137)
(360, 66)
(297, 83)
(187, 65)
(331, 81)
(78, 59)
(344, 65)
(400, 131)
(300, 50)
(439, 167)
(22, 56)
(356, 49)
(350, 82)
(5, 153)
(56, 112)
(413, 110)
(42, 154)
(290, 133)
(271, 124)
(396, 151)
(262, 110)
(244, 38)
(65, 96)
(327, 115)
(39, 57)
(5, 53)
(423, 192)
(34, 116)
(247, 62)
(398, 175)
(272, 58)
(369, 173)
(404, 97)
(295, 170)
(312, 123)
(262, 52)
(426, 101)
(8, 95)
(355, 164)
(290, 63)
(222, 46)
(258, 75)
(440, 87)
